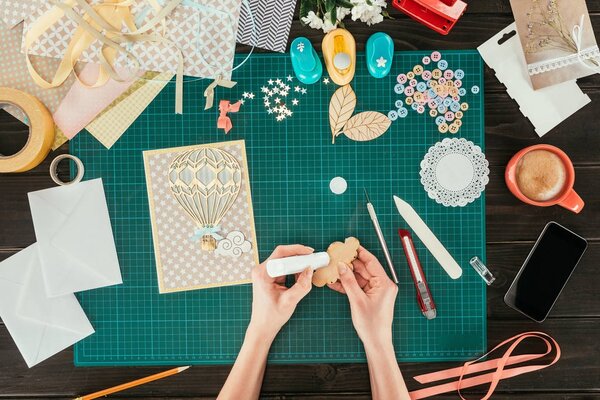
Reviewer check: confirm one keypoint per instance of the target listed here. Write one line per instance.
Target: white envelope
(40, 326)
(75, 239)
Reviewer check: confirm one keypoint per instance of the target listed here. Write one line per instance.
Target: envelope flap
(86, 237)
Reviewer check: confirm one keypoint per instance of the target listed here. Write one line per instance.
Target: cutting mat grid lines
(290, 165)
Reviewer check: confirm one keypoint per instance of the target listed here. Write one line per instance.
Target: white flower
(342, 13)
(327, 25)
(313, 20)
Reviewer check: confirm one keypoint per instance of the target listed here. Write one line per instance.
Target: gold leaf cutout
(366, 125)
(341, 107)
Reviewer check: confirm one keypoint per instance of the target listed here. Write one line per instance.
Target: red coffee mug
(567, 197)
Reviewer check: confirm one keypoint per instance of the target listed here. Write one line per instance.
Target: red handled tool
(439, 15)
(424, 296)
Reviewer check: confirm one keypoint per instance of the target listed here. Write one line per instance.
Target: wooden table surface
(512, 228)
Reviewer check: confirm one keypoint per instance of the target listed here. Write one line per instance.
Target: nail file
(296, 264)
(430, 241)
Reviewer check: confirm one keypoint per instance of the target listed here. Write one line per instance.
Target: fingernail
(310, 248)
(309, 272)
(342, 268)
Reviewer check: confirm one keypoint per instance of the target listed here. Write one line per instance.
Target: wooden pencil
(135, 383)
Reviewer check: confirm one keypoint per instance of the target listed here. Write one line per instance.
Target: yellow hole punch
(339, 52)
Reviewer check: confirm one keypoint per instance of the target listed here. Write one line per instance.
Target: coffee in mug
(541, 175)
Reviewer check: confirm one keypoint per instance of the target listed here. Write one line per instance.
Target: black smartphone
(545, 272)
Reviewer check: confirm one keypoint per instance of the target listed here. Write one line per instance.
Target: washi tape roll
(41, 131)
(54, 169)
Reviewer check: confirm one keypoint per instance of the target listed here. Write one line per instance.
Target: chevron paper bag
(272, 23)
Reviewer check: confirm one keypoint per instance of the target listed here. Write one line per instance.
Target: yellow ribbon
(209, 93)
(109, 17)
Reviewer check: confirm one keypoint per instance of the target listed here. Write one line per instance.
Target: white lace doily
(454, 172)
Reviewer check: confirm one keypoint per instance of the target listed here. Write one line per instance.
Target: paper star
(266, 98)
(270, 81)
(277, 100)
(295, 102)
(288, 113)
(251, 95)
(269, 111)
(264, 89)
(241, 101)
(297, 89)
(287, 87)
(275, 90)
(280, 117)
(326, 81)
(284, 93)
(278, 81)
(267, 103)
(289, 78)
(381, 62)
(245, 95)
(303, 90)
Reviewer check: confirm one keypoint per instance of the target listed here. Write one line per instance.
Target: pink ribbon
(224, 122)
(494, 377)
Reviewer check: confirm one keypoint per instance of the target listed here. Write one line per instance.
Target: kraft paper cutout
(118, 117)
(15, 75)
(338, 252)
(181, 262)
(341, 108)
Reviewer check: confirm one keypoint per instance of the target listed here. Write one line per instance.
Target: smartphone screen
(545, 272)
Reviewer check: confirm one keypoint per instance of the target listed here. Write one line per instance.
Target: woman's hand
(272, 302)
(372, 296)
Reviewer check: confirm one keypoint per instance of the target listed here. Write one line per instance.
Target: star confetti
(289, 78)
(326, 81)
(275, 97)
(295, 102)
(296, 88)
(303, 90)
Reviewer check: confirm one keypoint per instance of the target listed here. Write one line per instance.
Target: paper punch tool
(296, 264)
(424, 297)
(305, 61)
(339, 52)
(439, 15)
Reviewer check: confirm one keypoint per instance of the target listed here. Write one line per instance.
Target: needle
(379, 233)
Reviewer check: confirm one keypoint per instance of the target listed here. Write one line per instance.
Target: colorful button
(475, 89)
(418, 69)
(436, 73)
(458, 83)
(401, 78)
(449, 116)
(421, 86)
(440, 120)
(398, 103)
(442, 81)
(426, 60)
(436, 56)
(399, 88)
(409, 91)
(442, 109)
(458, 114)
(410, 75)
(431, 93)
(443, 128)
(442, 64)
(408, 101)
(462, 91)
(464, 106)
(402, 112)
(420, 109)
(458, 122)
(432, 104)
(453, 128)
(459, 74)
(447, 101)
(426, 75)
(455, 106)
(448, 74)
(419, 97)
(433, 113)
(414, 106)
(392, 115)
(412, 82)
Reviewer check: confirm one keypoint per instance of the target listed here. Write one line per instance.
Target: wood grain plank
(577, 371)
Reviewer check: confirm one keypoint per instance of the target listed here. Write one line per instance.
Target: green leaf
(306, 6)
(387, 15)
(333, 15)
(329, 5)
(344, 4)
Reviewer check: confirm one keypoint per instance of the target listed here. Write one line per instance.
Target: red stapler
(439, 15)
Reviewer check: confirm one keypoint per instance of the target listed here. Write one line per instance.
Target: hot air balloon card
(201, 214)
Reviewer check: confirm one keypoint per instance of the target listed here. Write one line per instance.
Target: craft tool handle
(296, 264)
(386, 252)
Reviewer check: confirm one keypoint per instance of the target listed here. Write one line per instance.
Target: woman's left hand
(272, 302)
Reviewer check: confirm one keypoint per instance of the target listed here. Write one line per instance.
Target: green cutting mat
(291, 163)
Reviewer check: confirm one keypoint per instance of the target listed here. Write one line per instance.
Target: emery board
(290, 163)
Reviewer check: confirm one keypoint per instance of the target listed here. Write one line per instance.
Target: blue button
(459, 74)
(455, 106)
(399, 103)
(393, 115)
(402, 112)
(421, 86)
(399, 88)
(442, 64)
(475, 89)
(440, 120)
(462, 91)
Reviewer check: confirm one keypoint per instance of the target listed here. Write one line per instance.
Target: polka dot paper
(181, 261)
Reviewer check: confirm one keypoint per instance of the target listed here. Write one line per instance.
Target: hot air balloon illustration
(205, 182)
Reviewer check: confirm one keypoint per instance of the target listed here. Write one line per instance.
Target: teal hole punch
(380, 53)
(305, 61)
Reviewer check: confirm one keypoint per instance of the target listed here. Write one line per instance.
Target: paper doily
(454, 172)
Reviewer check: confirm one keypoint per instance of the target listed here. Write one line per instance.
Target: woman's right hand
(372, 296)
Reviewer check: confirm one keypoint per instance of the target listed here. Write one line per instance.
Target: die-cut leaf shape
(366, 125)
(341, 107)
